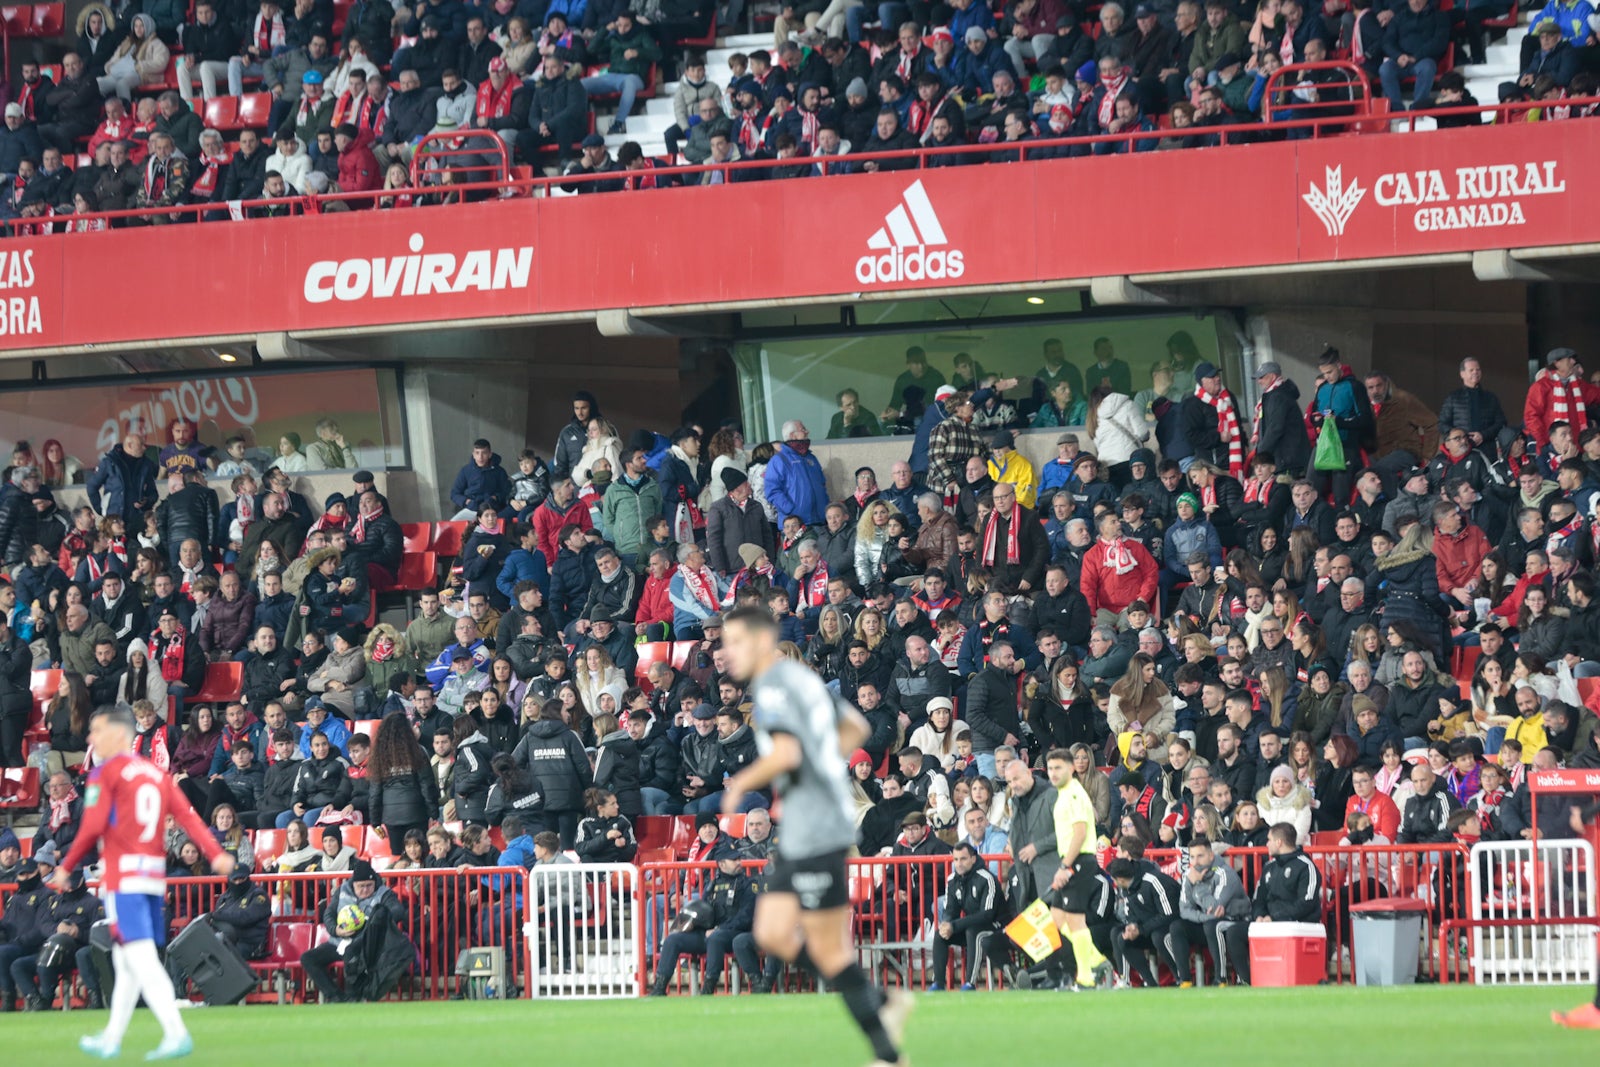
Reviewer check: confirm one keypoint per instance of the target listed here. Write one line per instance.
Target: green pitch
(1235, 1027)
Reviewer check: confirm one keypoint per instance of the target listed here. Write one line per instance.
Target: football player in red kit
(125, 812)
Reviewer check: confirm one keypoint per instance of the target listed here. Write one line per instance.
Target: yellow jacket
(1019, 472)
(1529, 733)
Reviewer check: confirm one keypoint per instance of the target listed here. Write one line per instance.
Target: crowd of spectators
(349, 111)
(1250, 617)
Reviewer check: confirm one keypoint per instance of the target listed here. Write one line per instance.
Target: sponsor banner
(1344, 198)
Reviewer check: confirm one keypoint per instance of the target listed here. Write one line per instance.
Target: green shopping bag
(1330, 449)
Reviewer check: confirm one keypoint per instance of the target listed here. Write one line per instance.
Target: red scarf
(119, 548)
(1566, 401)
(745, 577)
(702, 585)
(172, 654)
(269, 34)
(1227, 426)
(1108, 102)
(902, 65)
(496, 105)
(25, 98)
(814, 593)
(1255, 491)
(1560, 536)
(991, 532)
(61, 810)
(358, 532)
(810, 126)
(205, 183)
(1118, 556)
(918, 116)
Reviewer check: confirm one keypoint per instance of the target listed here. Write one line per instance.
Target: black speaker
(100, 953)
(214, 966)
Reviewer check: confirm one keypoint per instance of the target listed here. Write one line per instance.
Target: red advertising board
(1337, 199)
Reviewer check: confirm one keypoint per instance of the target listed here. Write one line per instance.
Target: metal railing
(428, 194)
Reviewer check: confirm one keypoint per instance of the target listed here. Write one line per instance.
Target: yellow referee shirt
(1073, 806)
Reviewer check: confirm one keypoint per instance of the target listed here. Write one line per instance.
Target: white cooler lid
(1265, 930)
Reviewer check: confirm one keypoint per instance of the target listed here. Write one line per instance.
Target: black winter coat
(658, 763)
(617, 769)
(553, 758)
(247, 912)
(472, 778)
(324, 783)
(409, 798)
(264, 676)
(19, 525)
(593, 844)
(1283, 428)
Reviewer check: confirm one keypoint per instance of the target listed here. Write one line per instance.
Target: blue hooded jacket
(476, 486)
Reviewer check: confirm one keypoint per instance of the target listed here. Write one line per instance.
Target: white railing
(1512, 881)
(583, 930)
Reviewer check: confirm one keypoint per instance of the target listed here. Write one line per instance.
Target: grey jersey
(818, 816)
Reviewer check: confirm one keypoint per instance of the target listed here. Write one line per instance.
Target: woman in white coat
(143, 680)
(1285, 800)
(603, 444)
(1117, 428)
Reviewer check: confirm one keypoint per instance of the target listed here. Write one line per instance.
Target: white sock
(152, 980)
(124, 998)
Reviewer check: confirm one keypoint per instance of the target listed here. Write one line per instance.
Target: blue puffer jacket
(794, 485)
(476, 486)
(1183, 538)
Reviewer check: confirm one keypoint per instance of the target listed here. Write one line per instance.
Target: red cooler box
(1286, 954)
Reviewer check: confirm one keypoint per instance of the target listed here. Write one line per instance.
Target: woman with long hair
(1401, 637)
(1310, 646)
(191, 764)
(997, 803)
(1302, 557)
(402, 792)
(825, 650)
(605, 835)
(68, 719)
(1366, 645)
(1539, 629)
(1286, 606)
(1493, 697)
(1241, 574)
(230, 833)
(936, 738)
(1063, 713)
(1271, 556)
(142, 680)
(616, 765)
(503, 680)
(603, 443)
(1333, 786)
(1118, 428)
(496, 721)
(1277, 698)
(1140, 700)
(1393, 772)
(726, 452)
(870, 629)
(595, 672)
(575, 713)
(872, 533)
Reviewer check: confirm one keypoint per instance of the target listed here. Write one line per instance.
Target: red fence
(895, 903)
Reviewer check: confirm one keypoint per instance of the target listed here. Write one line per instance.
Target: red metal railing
(917, 158)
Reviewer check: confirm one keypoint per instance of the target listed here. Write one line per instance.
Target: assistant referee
(1079, 878)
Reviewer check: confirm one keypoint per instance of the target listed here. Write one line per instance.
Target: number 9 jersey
(126, 809)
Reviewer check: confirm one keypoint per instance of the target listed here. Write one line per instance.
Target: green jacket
(609, 48)
(626, 511)
(427, 638)
(1210, 45)
(1236, 94)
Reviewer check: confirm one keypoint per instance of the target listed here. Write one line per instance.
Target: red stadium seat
(417, 536)
(48, 20)
(18, 20)
(682, 652)
(650, 653)
(682, 835)
(732, 825)
(269, 845)
(19, 790)
(44, 684)
(254, 109)
(417, 570)
(654, 832)
(224, 682)
(448, 537)
(380, 847)
(222, 113)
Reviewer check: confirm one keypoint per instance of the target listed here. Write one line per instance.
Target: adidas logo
(909, 246)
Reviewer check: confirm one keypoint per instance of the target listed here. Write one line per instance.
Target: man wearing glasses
(1458, 459)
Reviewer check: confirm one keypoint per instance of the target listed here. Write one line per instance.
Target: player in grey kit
(803, 734)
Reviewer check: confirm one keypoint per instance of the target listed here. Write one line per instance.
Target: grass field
(1236, 1027)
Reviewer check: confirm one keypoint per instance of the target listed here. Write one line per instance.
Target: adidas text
(910, 265)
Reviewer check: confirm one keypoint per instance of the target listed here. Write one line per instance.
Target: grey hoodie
(1220, 887)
